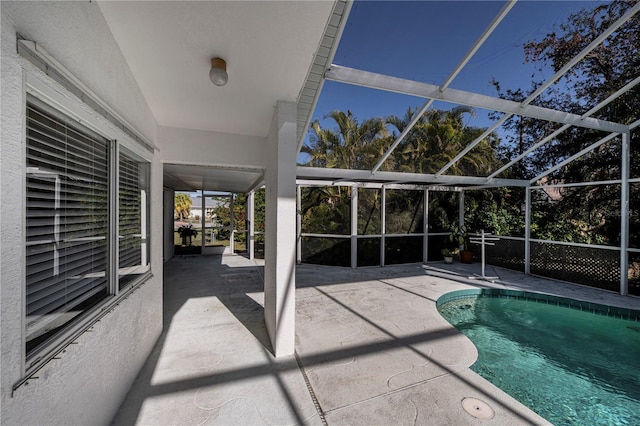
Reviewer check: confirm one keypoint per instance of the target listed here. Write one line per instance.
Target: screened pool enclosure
(574, 161)
(366, 224)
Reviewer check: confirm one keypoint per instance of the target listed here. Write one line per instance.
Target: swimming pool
(574, 363)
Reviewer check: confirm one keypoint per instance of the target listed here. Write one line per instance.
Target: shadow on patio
(372, 349)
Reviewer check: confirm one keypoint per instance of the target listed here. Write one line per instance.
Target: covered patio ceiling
(182, 177)
(169, 45)
(271, 49)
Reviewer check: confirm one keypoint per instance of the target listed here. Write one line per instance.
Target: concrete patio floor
(371, 348)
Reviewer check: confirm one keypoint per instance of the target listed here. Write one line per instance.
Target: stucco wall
(199, 147)
(90, 379)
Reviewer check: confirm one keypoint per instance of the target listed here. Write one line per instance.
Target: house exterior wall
(199, 147)
(87, 383)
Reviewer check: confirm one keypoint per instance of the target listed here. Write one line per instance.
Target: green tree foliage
(182, 205)
(326, 210)
(498, 211)
(369, 212)
(352, 145)
(437, 138)
(259, 213)
(404, 211)
(590, 214)
(222, 215)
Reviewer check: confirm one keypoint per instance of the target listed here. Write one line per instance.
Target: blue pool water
(572, 367)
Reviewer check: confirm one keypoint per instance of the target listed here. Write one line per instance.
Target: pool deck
(371, 348)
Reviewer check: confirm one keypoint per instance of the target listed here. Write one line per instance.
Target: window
(70, 223)
(133, 218)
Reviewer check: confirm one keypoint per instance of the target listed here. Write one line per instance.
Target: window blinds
(133, 190)
(67, 186)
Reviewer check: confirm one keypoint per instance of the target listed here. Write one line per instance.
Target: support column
(251, 205)
(354, 226)
(527, 230)
(425, 227)
(461, 213)
(232, 231)
(299, 224)
(383, 220)
(624, 216)
(203, 235)
(280, 230)
(169, 223)
(461, 208)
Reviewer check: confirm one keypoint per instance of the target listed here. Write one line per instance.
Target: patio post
(425, 227)
(461, 211)
(203, 235)
(527, 230)
(169, 196)
(299, 224)
(232, 232)
(624, 216)
(280, 230)
(354, 226)
(383, 219)
(251, 228)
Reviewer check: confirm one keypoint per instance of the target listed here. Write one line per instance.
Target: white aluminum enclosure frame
(461, 97)
(378, 81)
(353, 235)
(376, 178)
(485, 35)
(550, 137)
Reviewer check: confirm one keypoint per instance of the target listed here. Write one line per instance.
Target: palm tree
(321, 147)
(350, 146)
(410, 154)
(182, 205)
(437, 138)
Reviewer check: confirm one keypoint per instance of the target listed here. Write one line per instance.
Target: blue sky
(425, 40)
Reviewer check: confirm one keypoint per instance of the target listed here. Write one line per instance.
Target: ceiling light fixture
(218, 73)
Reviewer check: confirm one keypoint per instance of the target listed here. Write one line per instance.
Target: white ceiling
(182, 177)
(269, 47)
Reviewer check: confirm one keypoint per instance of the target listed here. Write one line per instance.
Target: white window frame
(48, 91)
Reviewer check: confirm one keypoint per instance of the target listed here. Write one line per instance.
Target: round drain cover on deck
(477, 408)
